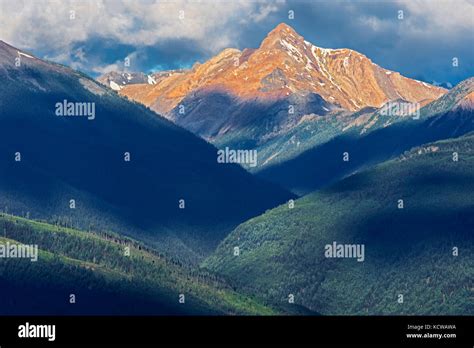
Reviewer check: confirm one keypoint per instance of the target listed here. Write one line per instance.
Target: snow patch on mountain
(151, 80)
(291, 50)
(115, 86)
(25, 55)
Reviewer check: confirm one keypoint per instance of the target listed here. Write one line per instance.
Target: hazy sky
(95, 36)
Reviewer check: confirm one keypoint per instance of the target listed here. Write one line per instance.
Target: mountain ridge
(64, 158)
(403, 211)
(338, 75)
(369, 138)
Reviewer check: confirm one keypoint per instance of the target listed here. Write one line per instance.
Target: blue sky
(95, 36)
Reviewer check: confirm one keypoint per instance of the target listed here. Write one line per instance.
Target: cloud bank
(97, 35)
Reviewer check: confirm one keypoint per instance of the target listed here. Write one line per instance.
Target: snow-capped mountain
(285, 63)
(118, 80)
(266, 91)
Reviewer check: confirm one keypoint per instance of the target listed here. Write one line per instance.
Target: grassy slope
(105, 281)
(407, 251)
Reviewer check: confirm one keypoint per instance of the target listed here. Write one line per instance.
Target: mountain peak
(281, 32)
(285, 64)
(282, 28)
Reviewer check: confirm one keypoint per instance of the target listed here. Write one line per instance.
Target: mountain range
(127, 169)
(236, 90)
(311, 155)
(301, 107)
(349, 153)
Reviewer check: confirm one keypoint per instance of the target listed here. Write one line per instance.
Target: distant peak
(228, 51)
(282, 29)
(284, 26)
(281, 32)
